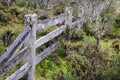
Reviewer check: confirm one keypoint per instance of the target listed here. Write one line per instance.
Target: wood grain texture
(20, 72)
(31, 22)
(46, 52)
(50, 36)
(50, 22)
(13, 62)
(14, 47)
(24, 69)
(68, 17)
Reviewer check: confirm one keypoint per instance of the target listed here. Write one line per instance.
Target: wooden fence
(27, 40)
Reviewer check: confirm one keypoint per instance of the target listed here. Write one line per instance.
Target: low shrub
(4, 17)
(109, 32)
(79, 66)
(117, 33)
(21, 3)
(59, 10)
(87, 29)
(116, 45)
(61, 52)
(1, 7)
(2, 49)
(117, 22)
(112, 72)
(78, 35)
(15, 10)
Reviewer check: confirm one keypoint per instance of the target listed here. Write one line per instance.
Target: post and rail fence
(27, 40)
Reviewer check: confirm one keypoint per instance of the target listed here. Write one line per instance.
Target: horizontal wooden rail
(50, 36)
(76, 23)
(13, 62)
(20, 72)
(54, 34)
(24, 69)
(46, 52)
(50, 22)
(14, 47)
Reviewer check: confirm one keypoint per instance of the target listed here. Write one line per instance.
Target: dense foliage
(92, 53)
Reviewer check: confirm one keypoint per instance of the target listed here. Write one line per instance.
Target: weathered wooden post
(31, 23)
(68, 22)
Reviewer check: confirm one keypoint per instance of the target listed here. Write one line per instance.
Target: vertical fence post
(30, 23)
(68, 20)
(68, 23)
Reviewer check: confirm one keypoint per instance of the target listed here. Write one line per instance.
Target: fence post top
(68, 10)
(31, 17)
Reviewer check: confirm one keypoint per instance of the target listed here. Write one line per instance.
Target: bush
(59, 10)
(112, 72)
(18, 13)
(2, 50)
(109, 32)
(116, 45)
(14, 10)
(61, 52)
(87, 29)
(21, 3)
(4, 17)
(1, 7)
(117, 22)
(79, 65)
(117, 33)
(6, 35)
(78, 35)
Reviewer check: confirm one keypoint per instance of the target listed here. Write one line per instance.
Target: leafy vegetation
(82, 55)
